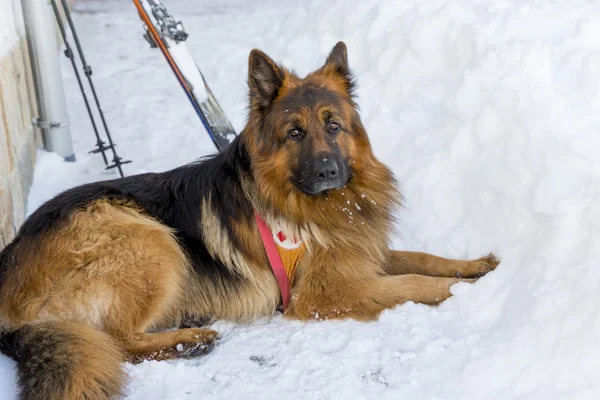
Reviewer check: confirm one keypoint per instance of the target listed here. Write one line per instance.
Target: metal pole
(117, 161)
(71, 56)
(43, 42)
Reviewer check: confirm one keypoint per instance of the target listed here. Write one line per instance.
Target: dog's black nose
(326, 168)
(325, 172)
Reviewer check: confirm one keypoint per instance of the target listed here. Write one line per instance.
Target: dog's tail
(64, 360)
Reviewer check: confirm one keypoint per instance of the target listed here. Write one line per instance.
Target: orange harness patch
(291, 251)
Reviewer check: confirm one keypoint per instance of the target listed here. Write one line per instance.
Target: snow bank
(487, 113)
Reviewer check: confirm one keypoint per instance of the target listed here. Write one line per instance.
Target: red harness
(274, 259)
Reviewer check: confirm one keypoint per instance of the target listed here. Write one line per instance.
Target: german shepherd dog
(96, 275)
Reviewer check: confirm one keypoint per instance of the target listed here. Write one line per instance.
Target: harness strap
(274, 259)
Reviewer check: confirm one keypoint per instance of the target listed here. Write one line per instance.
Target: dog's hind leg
(181, 343)
(407, 262)
(151, 271)
(115, 269)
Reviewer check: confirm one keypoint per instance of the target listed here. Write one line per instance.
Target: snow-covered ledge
(17, 108)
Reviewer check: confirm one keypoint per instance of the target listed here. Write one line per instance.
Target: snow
(488, 114)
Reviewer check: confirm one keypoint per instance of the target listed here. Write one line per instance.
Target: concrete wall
(17, 108)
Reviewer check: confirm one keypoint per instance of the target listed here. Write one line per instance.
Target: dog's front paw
(478, 268)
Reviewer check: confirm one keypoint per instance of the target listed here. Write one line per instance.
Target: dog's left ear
(338, 59)
(337, 63)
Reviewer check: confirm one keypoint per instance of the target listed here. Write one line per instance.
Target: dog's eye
(294, 133)
(334, 126)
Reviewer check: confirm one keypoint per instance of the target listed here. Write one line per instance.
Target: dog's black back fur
(173, 197)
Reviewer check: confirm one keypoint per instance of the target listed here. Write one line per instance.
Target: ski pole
(69, 54)
(87, 69)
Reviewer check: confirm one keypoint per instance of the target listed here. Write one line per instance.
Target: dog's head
(306, 132)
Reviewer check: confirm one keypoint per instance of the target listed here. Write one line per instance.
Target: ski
(164, 32)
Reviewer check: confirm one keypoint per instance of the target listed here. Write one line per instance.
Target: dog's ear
(264, 79)
(338, 59)
(337, 63)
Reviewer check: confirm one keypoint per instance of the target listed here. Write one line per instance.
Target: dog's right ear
(264, 79)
